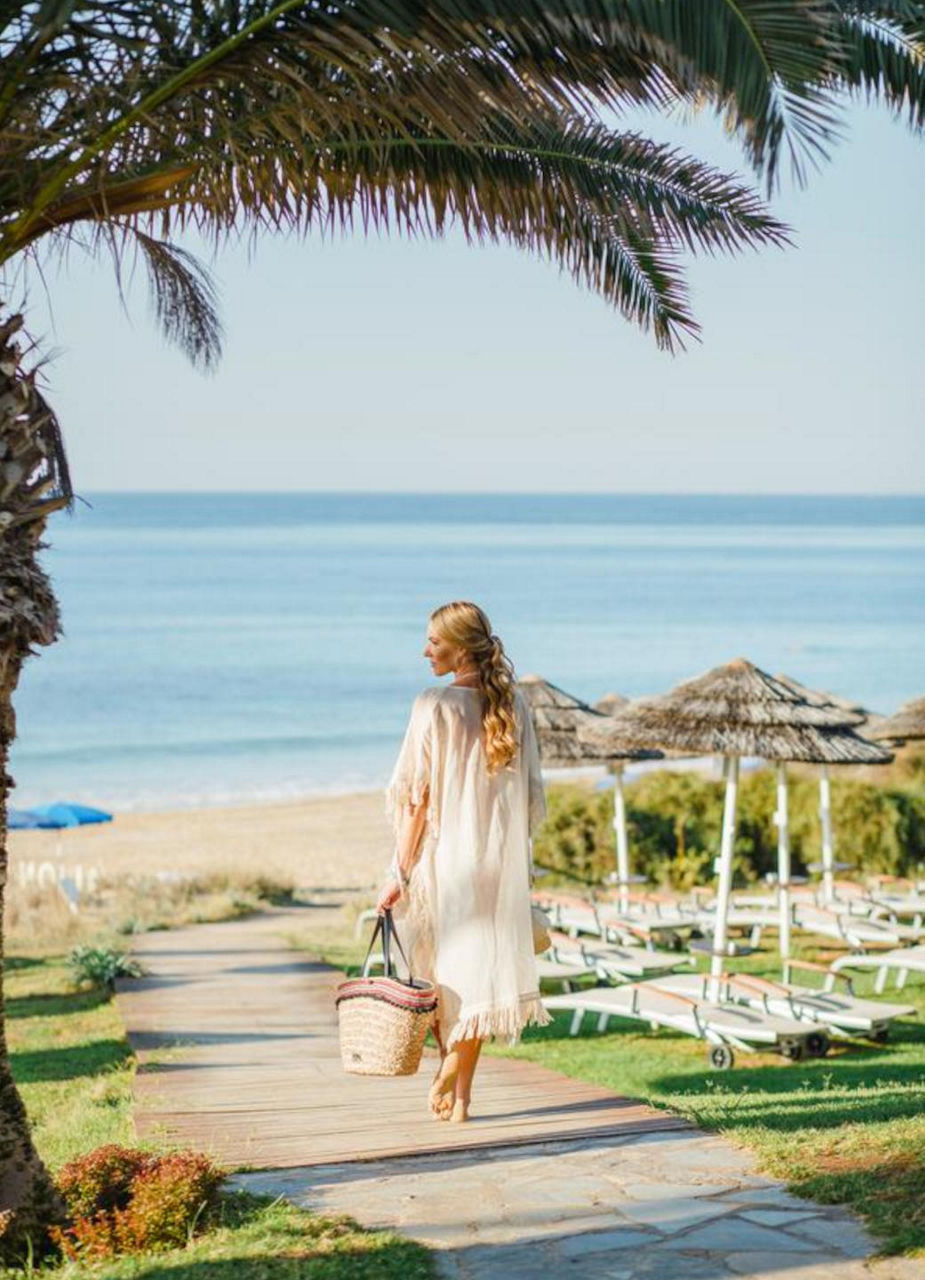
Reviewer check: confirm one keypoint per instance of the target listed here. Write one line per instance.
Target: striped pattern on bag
(383, 1024)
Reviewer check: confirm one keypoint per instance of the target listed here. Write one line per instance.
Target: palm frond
(614, 210)
(184, 299)
(884, 55)
(764, 63)
(281, 113)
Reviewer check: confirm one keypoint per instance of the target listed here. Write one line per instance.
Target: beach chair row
(734, 1012)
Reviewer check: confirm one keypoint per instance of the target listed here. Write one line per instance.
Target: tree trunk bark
(33, 482)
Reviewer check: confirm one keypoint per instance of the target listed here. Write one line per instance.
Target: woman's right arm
(411, 824)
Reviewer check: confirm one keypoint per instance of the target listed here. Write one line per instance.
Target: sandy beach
(324, 843)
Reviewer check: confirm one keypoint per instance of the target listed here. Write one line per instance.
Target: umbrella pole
(619, 827)
(783, 859)
(828, 851)
(723, 868)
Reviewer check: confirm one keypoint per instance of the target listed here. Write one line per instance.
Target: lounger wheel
(881, 1035)
(720, 1057)
(794, 1050)
(817, 1044)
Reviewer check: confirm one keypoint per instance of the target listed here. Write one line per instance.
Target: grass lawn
(74, 1069)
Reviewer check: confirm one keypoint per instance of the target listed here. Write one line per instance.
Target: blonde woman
(465, 797)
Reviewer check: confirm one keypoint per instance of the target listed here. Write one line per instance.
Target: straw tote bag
(383, 1020)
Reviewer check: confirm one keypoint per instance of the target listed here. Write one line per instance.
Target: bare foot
(460, 1113)
(442, 1091)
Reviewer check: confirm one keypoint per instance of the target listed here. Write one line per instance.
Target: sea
(236, 648)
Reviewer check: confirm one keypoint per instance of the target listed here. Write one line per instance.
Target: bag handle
(386, 926)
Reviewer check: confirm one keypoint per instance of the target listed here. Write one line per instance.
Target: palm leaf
(614, 210)
(184, 299)
(884, 55)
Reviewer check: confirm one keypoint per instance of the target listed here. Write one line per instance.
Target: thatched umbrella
(905, 725)
(564, 725)
(611, 703)
(739, 710)
(569, 735)
(842, 711)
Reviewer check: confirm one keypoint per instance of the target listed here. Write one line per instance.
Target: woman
(465, 797)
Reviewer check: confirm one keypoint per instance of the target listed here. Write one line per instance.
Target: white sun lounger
(604, 920)
(550, 967)
(856, 931)
(903, 905)
(904, 960)
(725, 1026)
(904, 898)
(836, 1013)
(754, 918)
(612, 962)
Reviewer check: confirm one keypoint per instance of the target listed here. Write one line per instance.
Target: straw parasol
(739, 710)
(569, 734)
(838, 707)
(905, 725)
(864, 718)
(564, 725)
(611, 703)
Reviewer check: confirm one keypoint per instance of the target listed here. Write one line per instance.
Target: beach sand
(325, 843)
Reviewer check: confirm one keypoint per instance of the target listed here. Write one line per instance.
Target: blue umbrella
(22, 820)
(68, 815)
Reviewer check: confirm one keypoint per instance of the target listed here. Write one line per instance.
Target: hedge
(674, 822)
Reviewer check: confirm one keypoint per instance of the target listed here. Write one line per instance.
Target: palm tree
(122, 124)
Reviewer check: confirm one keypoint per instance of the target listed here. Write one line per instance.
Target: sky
(391, 365)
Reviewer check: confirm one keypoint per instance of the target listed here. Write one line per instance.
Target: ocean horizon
(225, 648)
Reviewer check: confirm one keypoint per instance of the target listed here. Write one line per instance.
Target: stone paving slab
(685, 1206)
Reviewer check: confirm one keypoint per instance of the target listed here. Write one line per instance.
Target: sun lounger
(904, 960)
(754, 918)
(551, 969)
(663, 926)
(836, 1013)
(613, 962)
(577, 916)
(725, 1025)
(856, 931)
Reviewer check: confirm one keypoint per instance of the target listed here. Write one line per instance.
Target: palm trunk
(33, 482)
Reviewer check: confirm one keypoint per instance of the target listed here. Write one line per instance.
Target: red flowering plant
(121, 1200)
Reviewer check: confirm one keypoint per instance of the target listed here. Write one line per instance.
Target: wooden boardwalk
(237, 1040)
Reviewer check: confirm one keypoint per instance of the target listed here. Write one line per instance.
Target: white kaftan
(466, 912)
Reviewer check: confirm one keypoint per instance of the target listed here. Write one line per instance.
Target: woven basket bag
(383, 1020)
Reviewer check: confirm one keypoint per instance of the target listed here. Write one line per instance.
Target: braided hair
(466, 625)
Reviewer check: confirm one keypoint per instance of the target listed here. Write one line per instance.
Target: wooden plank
(237, 1042)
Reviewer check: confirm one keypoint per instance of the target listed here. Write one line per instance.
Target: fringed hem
(506, 1023)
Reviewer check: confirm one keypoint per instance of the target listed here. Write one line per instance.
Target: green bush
(674, 822)
(102, 965)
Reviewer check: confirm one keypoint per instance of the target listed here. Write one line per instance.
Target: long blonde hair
(466, 625)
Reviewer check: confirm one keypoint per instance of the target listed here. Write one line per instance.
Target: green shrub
(102, 965)
(120, 1200)
(674, 822)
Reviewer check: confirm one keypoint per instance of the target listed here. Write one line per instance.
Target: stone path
(684, 1206)
(567, 1181)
